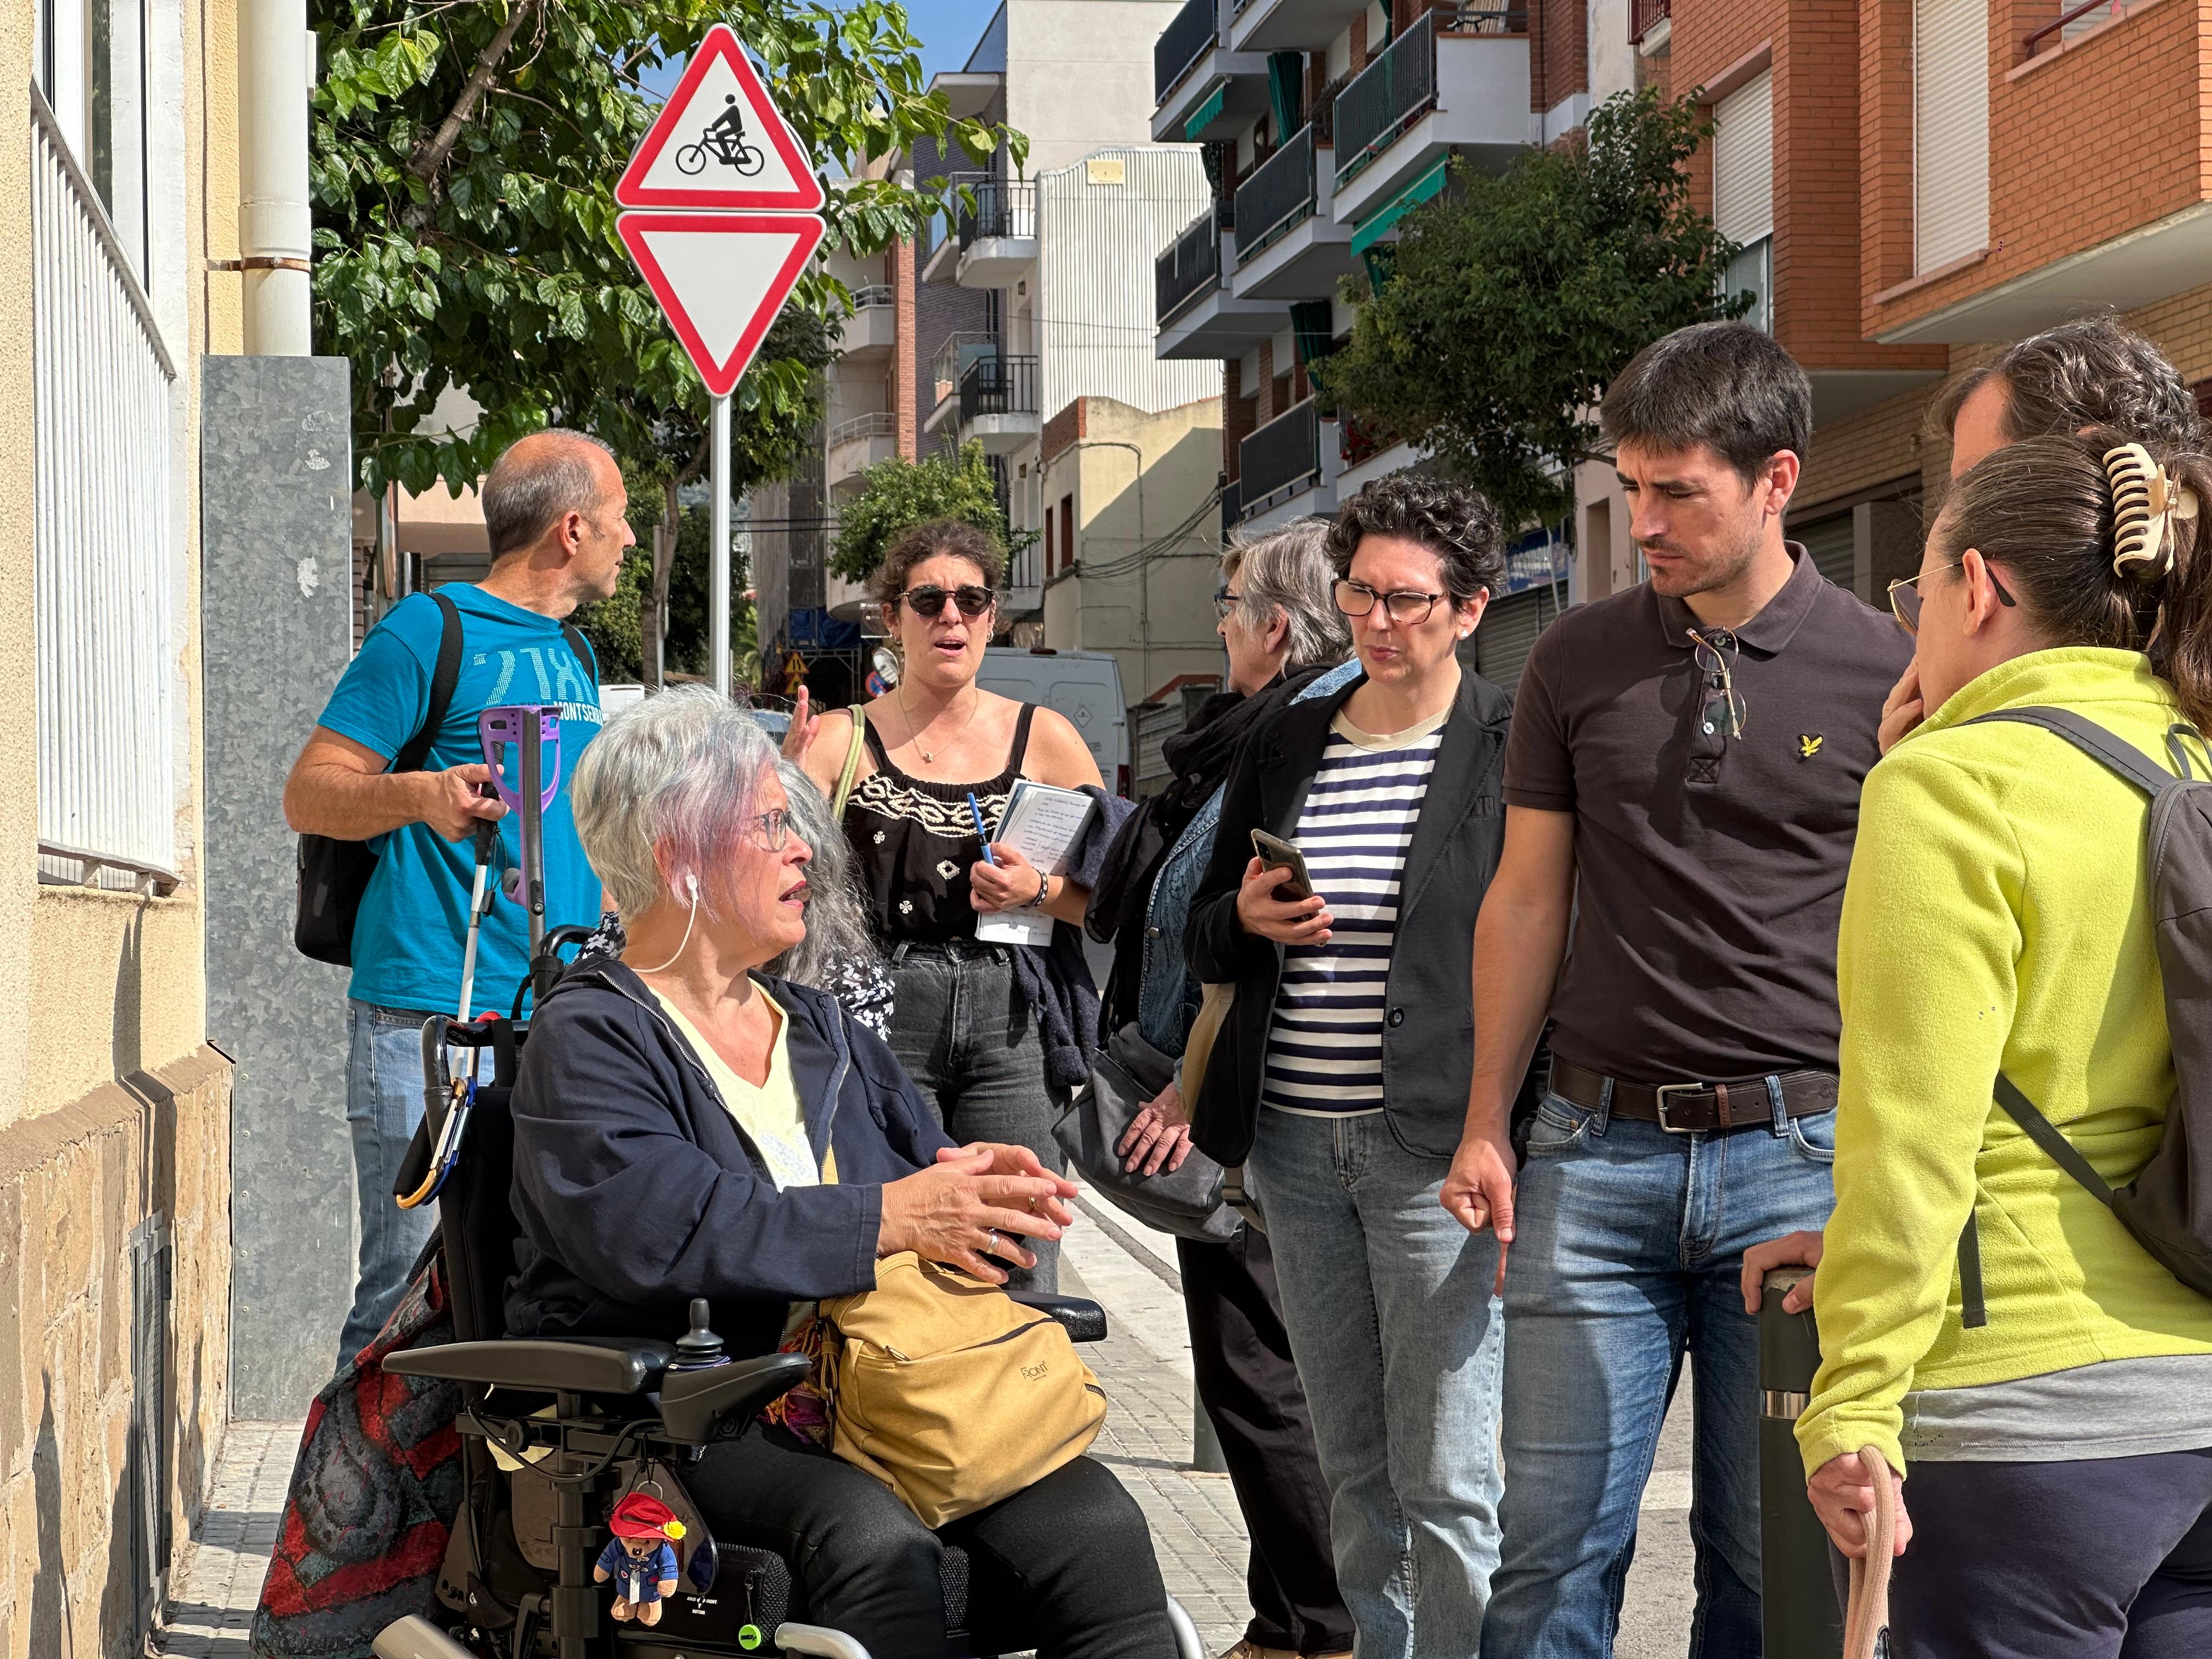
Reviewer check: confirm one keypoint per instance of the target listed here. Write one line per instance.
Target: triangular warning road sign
(720, 143)
(720, 278)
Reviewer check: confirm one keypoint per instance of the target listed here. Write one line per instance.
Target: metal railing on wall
(1283, 452)
(1187, 38)
(1002, 208)
(999, 385)
(1191, 265)
(1645, 15)
(879, 423)
(103, 539)
(1386, 98)
(1278, 196)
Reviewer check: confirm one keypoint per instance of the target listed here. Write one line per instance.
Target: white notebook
(1042, 822)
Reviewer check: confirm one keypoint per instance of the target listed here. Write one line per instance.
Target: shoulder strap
(586, 656)
(1021, 739)
(852, 765)
(2045, 1133)
(442, 681)
(2093, 740)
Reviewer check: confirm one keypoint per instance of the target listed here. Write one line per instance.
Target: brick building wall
(1559, 52)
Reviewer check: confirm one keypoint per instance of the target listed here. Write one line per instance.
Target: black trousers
(2102, 1558)
(1240, 1357)
(1064, 1566)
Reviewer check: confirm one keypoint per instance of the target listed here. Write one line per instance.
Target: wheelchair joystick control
(699, 1349)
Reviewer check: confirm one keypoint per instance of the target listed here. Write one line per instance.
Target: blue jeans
(1628, 1241)
(383, 1102)
(1398, 1340)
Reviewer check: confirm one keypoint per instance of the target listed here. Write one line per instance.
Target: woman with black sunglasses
(962, 1025)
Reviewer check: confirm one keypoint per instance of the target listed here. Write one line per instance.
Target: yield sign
(722, 278)
(720, 144)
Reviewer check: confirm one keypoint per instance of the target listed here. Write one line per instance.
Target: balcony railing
(1002, 208)
(105, 557)
(960, 348)
(999, 385)
(2072, 20)
(876, 294)
(1279, 194)
(1645, 15)
(1190, 268)
(1283, 452)
(1388, 95)
(1187, 38)
(1488, 17)
(880, 424)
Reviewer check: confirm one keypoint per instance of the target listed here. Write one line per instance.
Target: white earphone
(691, 884)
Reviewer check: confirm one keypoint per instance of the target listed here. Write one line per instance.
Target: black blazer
(1428, 1034)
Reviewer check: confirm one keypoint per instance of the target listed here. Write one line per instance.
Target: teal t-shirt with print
(408, 939)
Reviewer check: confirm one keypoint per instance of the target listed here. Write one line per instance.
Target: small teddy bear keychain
(640, 1557)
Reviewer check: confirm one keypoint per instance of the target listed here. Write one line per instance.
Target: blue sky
(948, 31)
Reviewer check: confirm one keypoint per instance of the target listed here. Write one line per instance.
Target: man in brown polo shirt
(1682, 788)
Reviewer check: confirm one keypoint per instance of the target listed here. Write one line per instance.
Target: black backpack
(2168, 1205)
(334, 874)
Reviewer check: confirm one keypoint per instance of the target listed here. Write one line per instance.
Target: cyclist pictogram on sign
(720, 143)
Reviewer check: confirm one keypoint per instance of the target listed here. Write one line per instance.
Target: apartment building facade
(1034, 340)
(1325, 123)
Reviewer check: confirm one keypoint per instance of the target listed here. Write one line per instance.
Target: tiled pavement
(1146, 1441)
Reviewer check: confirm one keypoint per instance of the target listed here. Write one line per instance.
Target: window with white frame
(1950, 130)
(1743, 192)
(106, 534)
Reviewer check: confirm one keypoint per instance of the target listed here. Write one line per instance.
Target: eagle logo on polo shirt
(1809, 745)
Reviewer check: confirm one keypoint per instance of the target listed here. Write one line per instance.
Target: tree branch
(431, 154)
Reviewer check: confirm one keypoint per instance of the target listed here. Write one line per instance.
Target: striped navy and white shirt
(1325, 1046)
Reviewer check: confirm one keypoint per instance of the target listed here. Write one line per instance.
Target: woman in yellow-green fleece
(2056, 1460)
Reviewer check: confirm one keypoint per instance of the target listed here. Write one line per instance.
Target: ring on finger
(993, 1236)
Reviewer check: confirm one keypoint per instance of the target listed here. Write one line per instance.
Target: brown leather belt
(1692, 1107)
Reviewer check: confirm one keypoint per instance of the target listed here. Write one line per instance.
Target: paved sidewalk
(1146, 1441)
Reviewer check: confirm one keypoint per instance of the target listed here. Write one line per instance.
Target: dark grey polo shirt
(1709, 868)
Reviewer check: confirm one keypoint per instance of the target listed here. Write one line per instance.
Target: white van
(1083, 685)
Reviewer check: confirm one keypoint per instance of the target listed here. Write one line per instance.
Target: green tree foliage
(896, 494)
(463, 157)
(1513, 300)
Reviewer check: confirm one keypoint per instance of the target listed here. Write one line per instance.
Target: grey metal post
(718, 555)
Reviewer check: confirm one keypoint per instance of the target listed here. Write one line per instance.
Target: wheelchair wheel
(690, 158)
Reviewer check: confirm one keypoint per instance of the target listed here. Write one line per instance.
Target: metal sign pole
(718, 561)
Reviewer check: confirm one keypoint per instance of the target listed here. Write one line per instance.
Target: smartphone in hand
(1276, 853)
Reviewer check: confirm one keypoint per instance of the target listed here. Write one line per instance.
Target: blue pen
(977, 812)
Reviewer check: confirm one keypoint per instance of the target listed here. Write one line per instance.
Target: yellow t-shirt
(768, 1113)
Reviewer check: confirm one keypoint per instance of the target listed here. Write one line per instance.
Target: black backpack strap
(442, 681)
(585, 654)
(2045, 1133)
(1973, 1308)
(2093, 740)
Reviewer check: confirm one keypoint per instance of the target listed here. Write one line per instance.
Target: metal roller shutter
(1508, 633)
(1950, 129)
(1743, 161)
(1834, 547)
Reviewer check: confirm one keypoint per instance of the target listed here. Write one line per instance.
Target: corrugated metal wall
(1096, 297)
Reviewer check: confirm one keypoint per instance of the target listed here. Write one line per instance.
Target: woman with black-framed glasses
(1340, 1077)
(961, 1024)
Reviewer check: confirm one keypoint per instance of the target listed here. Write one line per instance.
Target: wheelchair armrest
(1085, 1320)
(586, 1366)
(691, 1401)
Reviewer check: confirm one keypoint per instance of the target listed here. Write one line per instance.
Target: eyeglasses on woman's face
(926, 601)
(1906, 599)
(769, 831)
(1408, 607)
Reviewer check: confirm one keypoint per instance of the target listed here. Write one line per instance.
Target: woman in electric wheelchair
(684, 1126)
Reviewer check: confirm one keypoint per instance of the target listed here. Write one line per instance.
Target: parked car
(1083, 685)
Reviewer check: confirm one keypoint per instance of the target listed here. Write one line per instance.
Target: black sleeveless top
(915, 839)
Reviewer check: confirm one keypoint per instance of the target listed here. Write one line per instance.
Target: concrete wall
(1158, 620)
(1079, 75)
(113, 1110)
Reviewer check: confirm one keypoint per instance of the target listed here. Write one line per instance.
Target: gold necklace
(929, 756)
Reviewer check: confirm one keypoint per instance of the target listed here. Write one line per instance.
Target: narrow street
(1145, 1364)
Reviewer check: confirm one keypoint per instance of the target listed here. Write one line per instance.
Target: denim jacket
(1168, 996)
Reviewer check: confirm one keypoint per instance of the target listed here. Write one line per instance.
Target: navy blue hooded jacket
(635, 1189)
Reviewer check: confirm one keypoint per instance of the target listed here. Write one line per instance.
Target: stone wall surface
(106, 1449)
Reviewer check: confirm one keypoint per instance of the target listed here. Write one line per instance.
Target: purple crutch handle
(498, 728)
